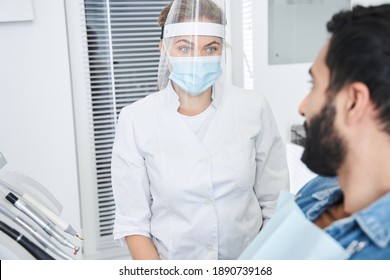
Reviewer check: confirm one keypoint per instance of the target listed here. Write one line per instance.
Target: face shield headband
(193, 29)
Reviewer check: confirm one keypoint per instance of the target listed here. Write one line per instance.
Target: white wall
(283, 85)
(36, 118)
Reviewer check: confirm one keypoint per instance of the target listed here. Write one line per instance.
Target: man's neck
(365, 174)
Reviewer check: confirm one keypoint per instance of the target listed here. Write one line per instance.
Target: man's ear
(161, 45)
(357, 102)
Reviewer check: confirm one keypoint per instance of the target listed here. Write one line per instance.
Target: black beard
(324, 149)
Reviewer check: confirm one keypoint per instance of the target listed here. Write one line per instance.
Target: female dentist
(198, 166)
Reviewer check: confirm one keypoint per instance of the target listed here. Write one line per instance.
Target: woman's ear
(357, 102)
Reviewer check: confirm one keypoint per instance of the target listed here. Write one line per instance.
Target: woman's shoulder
(242, 92)
(246, 97)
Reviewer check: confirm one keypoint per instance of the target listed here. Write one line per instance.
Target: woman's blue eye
(211, 49)
(184, 49)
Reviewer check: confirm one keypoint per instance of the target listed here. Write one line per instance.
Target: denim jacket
(366, 234)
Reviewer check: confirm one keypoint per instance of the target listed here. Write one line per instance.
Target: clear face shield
(193, 49)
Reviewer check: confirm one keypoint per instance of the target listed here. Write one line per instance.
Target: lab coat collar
(173, 99)
(217, 94)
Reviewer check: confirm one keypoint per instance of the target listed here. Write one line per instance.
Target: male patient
(347, 116)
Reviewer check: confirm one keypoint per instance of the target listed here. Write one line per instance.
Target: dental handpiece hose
(37, 235)
(31, 247)
(50, 246)
(42, 221)
(54, 218)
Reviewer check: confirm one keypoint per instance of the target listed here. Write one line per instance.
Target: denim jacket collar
(374, 220)
(317, 195)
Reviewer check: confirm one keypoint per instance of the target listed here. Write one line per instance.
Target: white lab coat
(197, 200)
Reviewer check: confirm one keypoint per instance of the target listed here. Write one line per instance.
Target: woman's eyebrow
(191, 43)
(185, 41)
(212, 43)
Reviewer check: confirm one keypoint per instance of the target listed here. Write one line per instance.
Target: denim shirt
(366, 234)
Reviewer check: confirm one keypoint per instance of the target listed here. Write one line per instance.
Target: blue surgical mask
(195, 74)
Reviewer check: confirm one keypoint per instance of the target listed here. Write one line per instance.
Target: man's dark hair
(359, 51)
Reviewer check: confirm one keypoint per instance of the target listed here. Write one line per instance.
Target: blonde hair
(185, 10)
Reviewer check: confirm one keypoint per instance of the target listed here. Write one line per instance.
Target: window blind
(122, 60)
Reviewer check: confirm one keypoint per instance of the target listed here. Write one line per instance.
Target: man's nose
(302, 106)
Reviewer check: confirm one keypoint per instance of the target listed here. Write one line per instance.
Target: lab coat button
(208, 202)
(210, 247)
